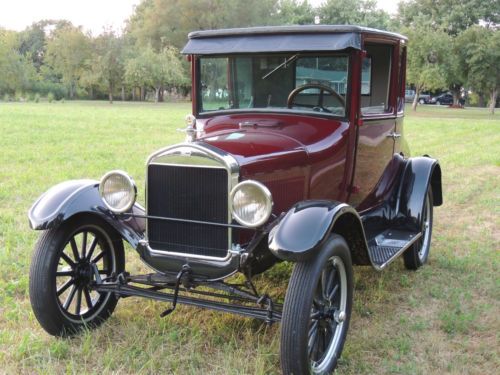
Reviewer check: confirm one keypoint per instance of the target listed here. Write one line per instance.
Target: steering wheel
(322, 88)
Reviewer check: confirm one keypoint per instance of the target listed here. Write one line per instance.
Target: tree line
(452, 46)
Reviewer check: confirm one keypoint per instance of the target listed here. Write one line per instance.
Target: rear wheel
(416, 256)
(63, 267)
(317, 311)
(421, 101)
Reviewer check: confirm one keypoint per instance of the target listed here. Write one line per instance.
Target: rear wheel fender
(419, 173)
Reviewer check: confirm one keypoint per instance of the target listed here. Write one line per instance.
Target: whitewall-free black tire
(63, 267)
(317, 310)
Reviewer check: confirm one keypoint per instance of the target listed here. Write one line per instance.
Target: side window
(366, 76)
(376, 79)
(214, 84)
(329, 71)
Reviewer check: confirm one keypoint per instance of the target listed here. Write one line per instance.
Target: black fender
(418, 174)
(305, 227)
(70, 198)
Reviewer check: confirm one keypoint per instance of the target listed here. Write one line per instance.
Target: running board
(389, 245)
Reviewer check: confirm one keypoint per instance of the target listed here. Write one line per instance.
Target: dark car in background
(443, 99)
(446, 99)
(294, 152)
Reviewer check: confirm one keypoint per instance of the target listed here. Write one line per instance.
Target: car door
(376, 133)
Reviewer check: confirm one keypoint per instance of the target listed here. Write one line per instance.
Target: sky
(93, 15)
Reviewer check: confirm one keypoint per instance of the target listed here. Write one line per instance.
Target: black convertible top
(280, 39)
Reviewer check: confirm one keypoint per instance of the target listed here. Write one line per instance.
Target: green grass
(442, 319)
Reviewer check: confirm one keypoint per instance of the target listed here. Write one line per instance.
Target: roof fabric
(255, 43)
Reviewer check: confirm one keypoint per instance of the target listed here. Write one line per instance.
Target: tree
(295, 12)
(450, 16)
(354, 12)
(32, 43)
(159, 71)
(480, 55)
(16, 72)
(161, 23)
(426, 55)
(68, 52)
(108, 62)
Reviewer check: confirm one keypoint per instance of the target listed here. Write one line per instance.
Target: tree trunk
(133, 94)
(455, 91)
(91, 92)
(481, 100)
(71, 91)
(157, 94)
(123, 93)
(415, 99)
(143, 93)
(160, 94)
(493, 101)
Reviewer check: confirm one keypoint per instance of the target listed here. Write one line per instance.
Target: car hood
(256, 149)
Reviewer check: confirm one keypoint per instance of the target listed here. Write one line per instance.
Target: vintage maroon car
(294, 152)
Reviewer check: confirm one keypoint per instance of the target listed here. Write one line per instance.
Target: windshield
(292, 82)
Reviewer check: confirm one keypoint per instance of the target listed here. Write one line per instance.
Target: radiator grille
(193, 193)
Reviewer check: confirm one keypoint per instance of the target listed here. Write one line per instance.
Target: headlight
(118, 191)
(251, 203)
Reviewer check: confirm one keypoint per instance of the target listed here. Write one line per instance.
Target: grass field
(445, 318)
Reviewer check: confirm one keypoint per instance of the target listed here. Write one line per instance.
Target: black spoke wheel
(317, 311)
(64, 265)
(416, 256)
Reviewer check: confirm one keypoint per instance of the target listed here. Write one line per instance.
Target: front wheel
(317, 311)
(63, 266)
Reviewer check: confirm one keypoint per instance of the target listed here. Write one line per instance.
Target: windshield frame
(280, 110)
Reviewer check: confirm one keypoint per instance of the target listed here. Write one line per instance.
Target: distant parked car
(445, 98)
(424, 99)
(409, 96)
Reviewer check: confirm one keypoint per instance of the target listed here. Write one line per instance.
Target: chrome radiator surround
(195, 155)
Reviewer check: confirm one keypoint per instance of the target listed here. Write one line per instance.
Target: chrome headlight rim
(130, 182)
(268, 199)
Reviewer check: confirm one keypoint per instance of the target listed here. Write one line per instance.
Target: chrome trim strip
(189, 165)
(402, 250)
(201, 151)
(186, 256)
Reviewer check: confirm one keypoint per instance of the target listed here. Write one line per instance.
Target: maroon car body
(295, 152)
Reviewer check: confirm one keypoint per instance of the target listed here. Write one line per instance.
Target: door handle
(394, 135)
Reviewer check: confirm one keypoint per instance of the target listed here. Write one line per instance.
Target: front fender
(69, 198)
(304, 228)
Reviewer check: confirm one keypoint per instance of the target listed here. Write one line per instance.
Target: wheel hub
(83, 273)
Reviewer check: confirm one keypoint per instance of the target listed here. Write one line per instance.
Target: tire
(418, 254)
(438, 103)
(61, 271)
(421, 101)
(310, 319)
